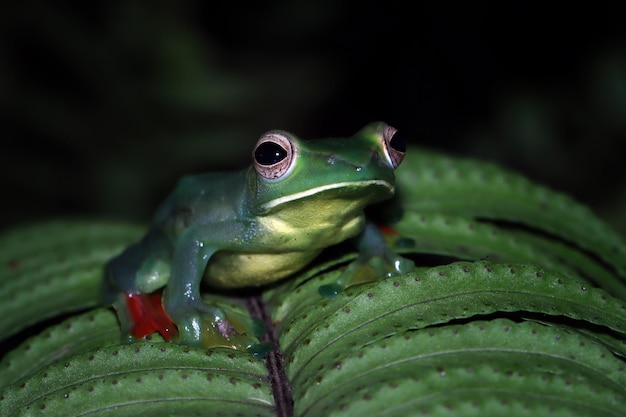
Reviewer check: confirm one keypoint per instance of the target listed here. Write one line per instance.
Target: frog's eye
(274, 155)
(394, 145)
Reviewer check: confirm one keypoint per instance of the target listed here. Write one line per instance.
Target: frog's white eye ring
(394, 145)
(274, 155)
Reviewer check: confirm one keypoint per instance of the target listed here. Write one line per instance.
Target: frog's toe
(357, 272)
(141, 315)
(368, 269)
(232, 333)
(403, 265)
(222, 329)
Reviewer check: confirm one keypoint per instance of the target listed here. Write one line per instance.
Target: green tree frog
(254, 227)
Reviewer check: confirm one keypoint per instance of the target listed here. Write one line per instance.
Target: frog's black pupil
(269, 153)
(397, 142)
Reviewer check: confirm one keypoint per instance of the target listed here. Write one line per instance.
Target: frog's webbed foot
(141, 315)
(375, 261)
(210, 326)
(367, 269)
(201, 325)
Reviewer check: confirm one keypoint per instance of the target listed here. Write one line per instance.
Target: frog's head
(324, 181)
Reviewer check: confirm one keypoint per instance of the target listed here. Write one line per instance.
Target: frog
(254, 227)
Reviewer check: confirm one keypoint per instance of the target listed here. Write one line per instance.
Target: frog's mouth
(323, 188)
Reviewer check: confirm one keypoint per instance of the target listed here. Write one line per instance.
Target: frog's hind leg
(131, 283)
(141, 268)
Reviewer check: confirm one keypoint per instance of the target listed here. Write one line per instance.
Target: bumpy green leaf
(53, 268)
(453, 368)
(78, 333)
(28, 247)
(424, 369)
(322, 328)
(465, 238)
(429, 182)
(143, 379)
(456, 395)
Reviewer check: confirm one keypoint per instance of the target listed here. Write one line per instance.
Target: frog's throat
(312, 191)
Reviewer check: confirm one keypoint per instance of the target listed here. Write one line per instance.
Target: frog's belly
(229, 269)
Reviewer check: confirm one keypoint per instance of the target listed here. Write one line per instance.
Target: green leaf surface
(438, 295)
(465, 238)
(541, 363)
(502, 396)
(470, 239)
(94, 328)
(437, 183)
(120, 380)
(42, 277)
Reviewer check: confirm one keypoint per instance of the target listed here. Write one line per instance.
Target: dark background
(106, 103)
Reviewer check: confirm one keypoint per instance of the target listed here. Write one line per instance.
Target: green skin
(253, 227)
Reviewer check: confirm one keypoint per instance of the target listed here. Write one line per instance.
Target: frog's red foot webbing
(147, 316)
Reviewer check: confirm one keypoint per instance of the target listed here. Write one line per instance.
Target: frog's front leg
(375, 261)
(199, 323)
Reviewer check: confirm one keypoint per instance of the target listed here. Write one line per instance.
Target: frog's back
(201, 199)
